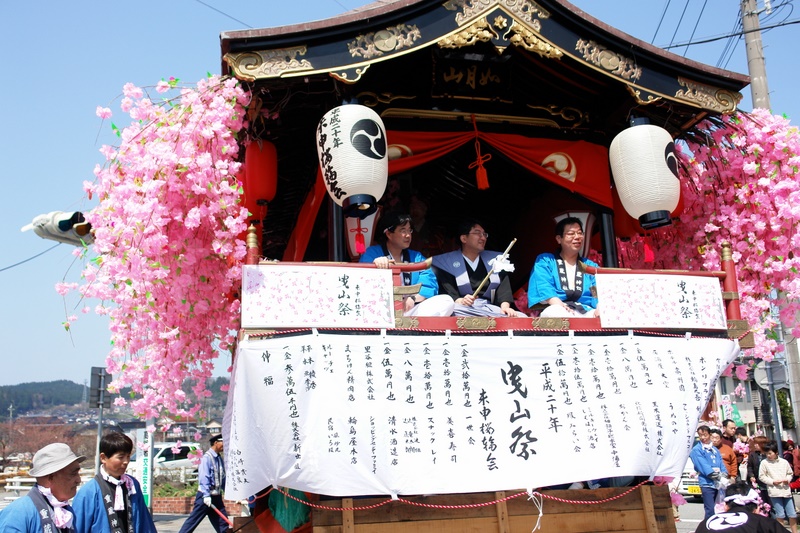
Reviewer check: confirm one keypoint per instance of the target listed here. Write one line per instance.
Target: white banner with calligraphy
(289, 296)
(348, 415)
(660, 301)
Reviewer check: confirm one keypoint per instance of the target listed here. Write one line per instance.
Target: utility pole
(756, 66)
(11, 413)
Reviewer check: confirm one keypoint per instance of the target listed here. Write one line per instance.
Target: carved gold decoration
(500, 22)
(476, 322)
(251, 66)
(707, 96)
(479, 31)
(637, 94)
(726, 254)
(407, 322)
(381, 42)
(569, 114)
(614, 63)
(737, 328)
(561, 324)
(345, 75)
(530, 41)
(525, 10)
(371, 99)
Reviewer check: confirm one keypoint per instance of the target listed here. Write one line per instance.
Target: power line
(712, 39)
(732, 43)
(30, 258)
(680, 20)
(224, 14)
(700, 16)
(663, 13)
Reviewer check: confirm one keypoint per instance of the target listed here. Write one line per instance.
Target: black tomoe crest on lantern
(351, 145)
(645, 171)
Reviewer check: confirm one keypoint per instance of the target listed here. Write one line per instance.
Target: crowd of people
(469, 282)
(732, 466)
(112, 501)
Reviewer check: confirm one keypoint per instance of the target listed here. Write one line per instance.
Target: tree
(785, 407)
(7, 439)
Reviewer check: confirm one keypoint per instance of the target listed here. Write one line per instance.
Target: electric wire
(740, 33)
(29, 259)
(663, 13)
(732, 53)
(680, 21)
(696, 24)
(733, 41)
(224, 14)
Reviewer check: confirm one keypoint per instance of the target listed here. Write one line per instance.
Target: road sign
(99, 382)
(761, 377)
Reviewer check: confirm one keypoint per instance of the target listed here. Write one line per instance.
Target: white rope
(538, 501)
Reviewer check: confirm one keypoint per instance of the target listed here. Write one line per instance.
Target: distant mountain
(27, 397)
(41, 396)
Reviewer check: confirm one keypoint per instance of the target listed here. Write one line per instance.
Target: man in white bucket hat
(46, 509)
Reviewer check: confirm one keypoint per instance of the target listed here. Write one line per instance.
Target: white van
(689, 486)
(164, 458)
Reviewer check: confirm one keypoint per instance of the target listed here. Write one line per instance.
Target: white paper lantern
(645, 172)
(351, 146)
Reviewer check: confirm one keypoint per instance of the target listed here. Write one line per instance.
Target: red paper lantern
(259, 177)
(261, 170)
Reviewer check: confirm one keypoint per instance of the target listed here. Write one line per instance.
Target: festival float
(346, 415)
(517, 113)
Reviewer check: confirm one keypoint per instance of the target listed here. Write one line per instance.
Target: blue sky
(63, 59)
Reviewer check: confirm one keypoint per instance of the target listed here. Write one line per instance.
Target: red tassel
(649, 255)
(481, 178)
(361, 247)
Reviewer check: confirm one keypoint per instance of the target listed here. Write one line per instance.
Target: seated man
(396, 238)
(461, 272)
(558, 282)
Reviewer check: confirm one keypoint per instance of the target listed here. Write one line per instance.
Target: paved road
(691, 515)
(173, 523)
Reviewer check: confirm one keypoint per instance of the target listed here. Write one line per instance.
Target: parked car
(689, 486)
(164, 458)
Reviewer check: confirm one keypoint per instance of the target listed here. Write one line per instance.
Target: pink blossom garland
(166, 232)
(740, 183)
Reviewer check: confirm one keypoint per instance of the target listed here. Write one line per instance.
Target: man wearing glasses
(461, 272)
(557, 280)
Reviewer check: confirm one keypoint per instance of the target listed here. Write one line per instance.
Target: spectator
(776, 474)
(46, 507)
(788, 449)
(728, 432)
(754, 459)
(728, 457)
(708, 464)
(741, 447)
